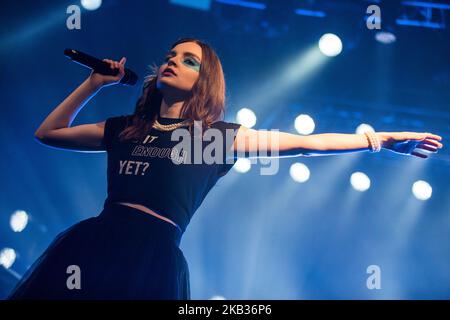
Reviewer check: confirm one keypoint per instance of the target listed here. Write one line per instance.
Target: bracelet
(374, 141)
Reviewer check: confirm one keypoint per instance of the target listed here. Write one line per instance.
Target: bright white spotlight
(330, 45)
(246, 117)
(91, 4)
(299, 172)
(217, 298)
(385, 37)
(304, 124)
(242, 165)
(422, 190)
(7, 257)
(360, 181)
(18, 220)
(364, 127)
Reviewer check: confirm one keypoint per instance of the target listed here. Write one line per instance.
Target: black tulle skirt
(123, 253)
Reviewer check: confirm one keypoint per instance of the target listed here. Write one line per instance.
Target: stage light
(387, 24)
(304, 124)
(364, 127)
(422, 190)
(18, 220)
(217, 298)
(244, 3)
(7, 257)
(242, 165)
(310, 13)
(385, 37)
(246, 117)
(330, 45)
(289, 76)
(299, 172)
(360, 181)
(91, 4)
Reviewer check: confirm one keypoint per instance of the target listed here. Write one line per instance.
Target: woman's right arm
(55, 130)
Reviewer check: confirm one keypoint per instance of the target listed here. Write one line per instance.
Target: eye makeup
(189, 61)
(192, 63)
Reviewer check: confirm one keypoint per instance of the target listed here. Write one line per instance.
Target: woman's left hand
(408, 142)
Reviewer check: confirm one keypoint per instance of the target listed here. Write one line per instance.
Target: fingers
(421, 135)
(116, 64)
(433, 143)
(425, 137)
(427, 147)
(420, 155)
(432, 136)
(122, 65)
(111, 63)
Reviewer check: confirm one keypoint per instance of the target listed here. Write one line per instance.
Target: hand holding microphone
(105, 72)
(102, 80)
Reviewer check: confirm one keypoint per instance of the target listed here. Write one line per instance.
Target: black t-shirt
(144, 172)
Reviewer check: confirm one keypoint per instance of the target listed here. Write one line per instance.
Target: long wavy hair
(206, 101)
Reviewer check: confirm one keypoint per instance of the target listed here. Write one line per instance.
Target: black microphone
(99, 66)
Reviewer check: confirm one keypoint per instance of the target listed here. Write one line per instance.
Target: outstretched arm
(261, 143)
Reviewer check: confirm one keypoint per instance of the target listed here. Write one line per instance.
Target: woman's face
(184, 59)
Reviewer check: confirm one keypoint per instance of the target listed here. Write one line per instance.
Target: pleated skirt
(123, 253)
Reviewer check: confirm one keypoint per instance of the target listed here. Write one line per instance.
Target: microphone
(102, 67)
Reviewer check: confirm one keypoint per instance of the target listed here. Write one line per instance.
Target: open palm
(408, 143)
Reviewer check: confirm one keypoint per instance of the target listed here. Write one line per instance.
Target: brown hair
(206, 101)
